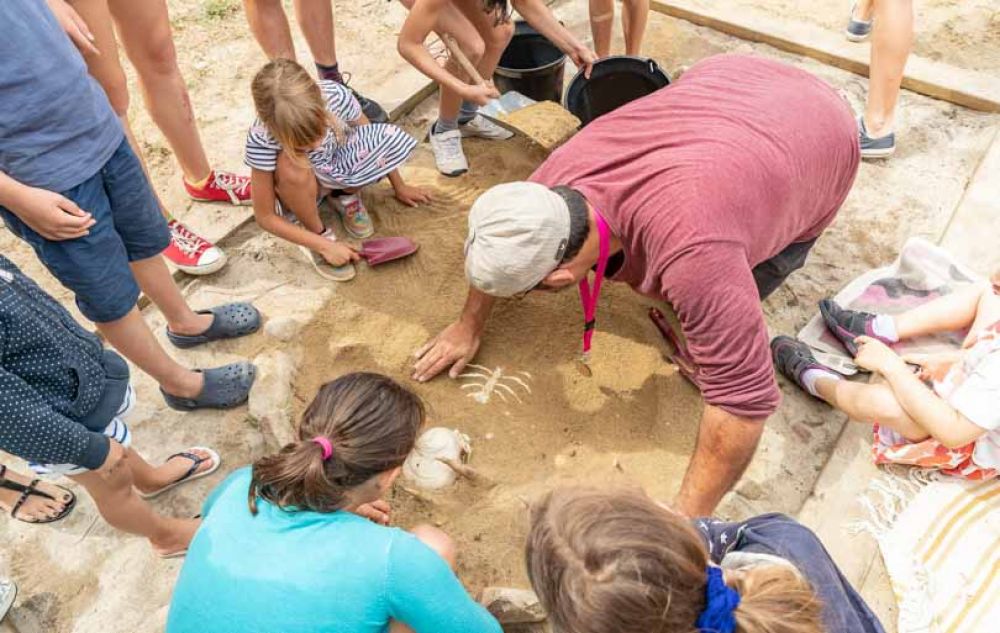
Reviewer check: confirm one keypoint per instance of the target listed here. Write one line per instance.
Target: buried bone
(484, 383)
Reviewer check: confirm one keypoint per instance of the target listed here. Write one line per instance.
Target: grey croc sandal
(225, 387)
(232, 320)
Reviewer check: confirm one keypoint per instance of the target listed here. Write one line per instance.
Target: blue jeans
(129, 227)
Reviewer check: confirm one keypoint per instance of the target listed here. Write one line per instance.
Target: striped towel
(942, 553)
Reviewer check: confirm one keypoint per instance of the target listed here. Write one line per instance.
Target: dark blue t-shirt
(844, 611)
(57, 128)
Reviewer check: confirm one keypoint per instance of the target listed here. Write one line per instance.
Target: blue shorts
(129, 228)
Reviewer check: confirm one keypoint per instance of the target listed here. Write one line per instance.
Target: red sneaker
(222, 186)
(191, 253)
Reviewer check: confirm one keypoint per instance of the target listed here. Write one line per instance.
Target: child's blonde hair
(292, 107)
(617, 562)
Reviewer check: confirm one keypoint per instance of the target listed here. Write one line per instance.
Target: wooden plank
(974, 229)
(968, 88)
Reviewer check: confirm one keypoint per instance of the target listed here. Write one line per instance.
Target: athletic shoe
(192, 253)
(373, 111)
(325, 268)
(448, 154)
(880, 147)
(354, 215)
(858, 30)
(8, 592)
(222, 186)
(793, 357)
(848, 325)
(482, 127)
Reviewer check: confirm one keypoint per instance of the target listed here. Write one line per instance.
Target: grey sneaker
(792, 358)
(881, 147)
(8, 592)
(857, 30)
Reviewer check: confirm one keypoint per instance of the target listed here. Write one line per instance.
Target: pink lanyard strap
(589, 294)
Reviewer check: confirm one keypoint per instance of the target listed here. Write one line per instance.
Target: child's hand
(51, 215)
(376, 511)
(933, 367)
(338, 254)
(875, 356)
(995, 280)
(412, 196)
(480, 94)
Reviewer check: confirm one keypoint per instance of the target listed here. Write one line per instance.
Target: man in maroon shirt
(709, 192)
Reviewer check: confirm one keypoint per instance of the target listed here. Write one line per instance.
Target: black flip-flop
(31, 490)
(191, 473)
(232, 320)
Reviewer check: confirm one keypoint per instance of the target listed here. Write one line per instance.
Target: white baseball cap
(518, 233)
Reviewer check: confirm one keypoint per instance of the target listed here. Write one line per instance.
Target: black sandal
(32, 491)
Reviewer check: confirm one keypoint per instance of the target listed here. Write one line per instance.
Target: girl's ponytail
(775, 599)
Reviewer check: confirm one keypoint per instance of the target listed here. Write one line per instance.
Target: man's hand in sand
(49, 214)
(454, 346)
(338, 254)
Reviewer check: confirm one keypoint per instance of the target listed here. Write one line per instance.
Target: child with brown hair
(943, 417)
(311, 140)
(616, 561)
(300, 541)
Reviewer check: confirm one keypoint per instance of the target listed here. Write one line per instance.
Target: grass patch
(221, 9)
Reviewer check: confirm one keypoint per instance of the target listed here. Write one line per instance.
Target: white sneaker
(484, 128)
(448, 154)
(326, 269)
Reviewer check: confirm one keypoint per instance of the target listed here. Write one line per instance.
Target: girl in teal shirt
(299, 541)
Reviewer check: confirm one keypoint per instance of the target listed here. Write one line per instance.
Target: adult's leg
(602, 15)
(892, 38)
(132, 337)
(316, 21)
(112, 490)
(441, 543)
(726, 444)
(635, 14)
(770, 274)
(35, 507)
(868, 403)
(297, 189)
(144, 28)
(269, 26)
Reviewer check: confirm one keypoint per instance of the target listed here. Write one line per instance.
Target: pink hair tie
(326, 445)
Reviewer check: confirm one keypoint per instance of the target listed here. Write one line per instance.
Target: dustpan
(386, 249)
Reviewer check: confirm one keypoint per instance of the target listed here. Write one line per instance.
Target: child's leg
(315, 18)
(987, 312)
(635, 14)
(441, 543)
(269, 26)
(297, 188)
(892, 37)
(495, 36)
(870, 403)
(149, 478)
(132, 337)
(951, 312)
(158, 284)
(112, 490)
(602, 15)
(145, 32)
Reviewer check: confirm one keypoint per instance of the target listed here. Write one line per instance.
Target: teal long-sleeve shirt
(309, 572)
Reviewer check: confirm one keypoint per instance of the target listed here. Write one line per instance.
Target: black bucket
(614, 81)
(531, 65)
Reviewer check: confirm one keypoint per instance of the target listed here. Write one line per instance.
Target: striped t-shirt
(368, 153)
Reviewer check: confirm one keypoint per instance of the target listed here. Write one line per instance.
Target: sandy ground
(633, 422)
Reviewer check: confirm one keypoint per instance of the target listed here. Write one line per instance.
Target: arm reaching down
(458, 343)
(537, 14)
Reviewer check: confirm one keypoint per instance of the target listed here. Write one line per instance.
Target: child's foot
(858, 29)
(482, 127)
(325, 268)
(796, 361)
(355, 216)
(192, 253)
(448, 154)
(221, 388)
(45, 504)
(848, 325)
(194, 463)
(221, 186)
(880, 147)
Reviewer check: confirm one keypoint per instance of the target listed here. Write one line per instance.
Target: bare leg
(602, 15)
(870, 403)
(132, 337)
(726, 444)
(495, 36)
(297, 189)
(117, 501)
(316, 21)
(440, 543)
(635, 13)
(892, 37)
(864, 9)
(155, 280)
(955, 311)
(269, 26)
(145, 31)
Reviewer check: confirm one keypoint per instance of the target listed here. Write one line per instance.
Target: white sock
(810, 376)
(884, 326)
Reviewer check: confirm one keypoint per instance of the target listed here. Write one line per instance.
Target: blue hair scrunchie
(721, 601)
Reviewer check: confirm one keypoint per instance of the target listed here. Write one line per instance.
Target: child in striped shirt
(312, 140)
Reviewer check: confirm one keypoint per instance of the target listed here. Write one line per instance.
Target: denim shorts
(129, 228)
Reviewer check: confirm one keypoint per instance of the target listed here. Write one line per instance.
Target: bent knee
(159, 57)
(438, 541)
(500, 35)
